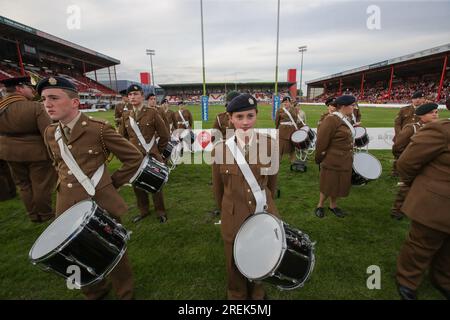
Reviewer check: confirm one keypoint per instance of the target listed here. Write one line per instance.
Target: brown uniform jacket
(170, 119)
(405, 115)
(231, 191)
(285, 131)
(150, 124)
(404, 137)
(22, 126)
(334, 146)
(425, 164)
(118, 111)
(223, 123)
(90, 143)
(187, 116)
(323, 116)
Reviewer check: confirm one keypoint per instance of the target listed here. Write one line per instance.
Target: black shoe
(445, 292)
(163, 219)
(406, 293)
(320, 213)
(138, 218)
(337, 212)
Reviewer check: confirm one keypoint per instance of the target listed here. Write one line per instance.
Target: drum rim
(353, 165)
(66, 242)
(301, 131)
(139, 171)
(283, 245)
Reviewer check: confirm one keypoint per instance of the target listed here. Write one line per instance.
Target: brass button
(69, 146)
(84, 123)
(226, 171)
(69, 173)
(90, 151)
(248, 190)
(249, 202)
(69, 185)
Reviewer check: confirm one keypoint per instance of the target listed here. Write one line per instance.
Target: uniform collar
(72, 123)
(240, 137)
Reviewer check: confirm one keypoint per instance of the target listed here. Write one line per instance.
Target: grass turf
(184, 258)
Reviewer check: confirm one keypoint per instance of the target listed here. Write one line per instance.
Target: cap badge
(250, 100)
(52, 81)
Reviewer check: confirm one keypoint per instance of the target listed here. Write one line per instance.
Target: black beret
(287, 98)
(425, 108)
(231, 95)
(123, 92)
(329, 101)
(418, 94)
(242, 102)
(55, 83)
(12, 82)
(134, 87)
(345, 100)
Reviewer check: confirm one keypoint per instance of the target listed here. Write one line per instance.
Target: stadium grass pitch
(184, 258)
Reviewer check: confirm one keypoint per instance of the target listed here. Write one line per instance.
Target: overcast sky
(240, 36)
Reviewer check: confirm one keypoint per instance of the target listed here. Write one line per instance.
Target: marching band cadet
(142, 122)
(22, 126)
(121, 107)
(89, 142)
(169, 115)
(222, 122)
(330, 109)
(183, 118)
(425, 166)
(334, 153)
(406, 115)
(427, 112)
(232, 191)
(287, 121)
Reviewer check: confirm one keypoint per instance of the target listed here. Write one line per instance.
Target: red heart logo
(204, 138)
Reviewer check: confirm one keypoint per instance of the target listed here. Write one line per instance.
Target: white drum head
(61, 229)
(367, 165)
(359, 132)
(299, 136)
(259, 246)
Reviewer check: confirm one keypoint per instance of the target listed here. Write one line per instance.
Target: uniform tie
(67, 130)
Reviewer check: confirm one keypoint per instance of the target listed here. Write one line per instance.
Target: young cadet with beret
(90, 141)
(233, 193)
(425, 166)
(330, 109)
(121, 107)
(427, 112)
(334, 153)
(150, 126)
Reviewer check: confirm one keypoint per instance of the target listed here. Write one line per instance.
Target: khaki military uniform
(118, 111)
(285, 129)
(222, 123)
(334, 153)
(401, 142)
(236, 202)
(90, 143)
(322, 117)
(170, 119)
(425, 165)
(150, 124)
(22, 125)
(7, 186)
(179, 121)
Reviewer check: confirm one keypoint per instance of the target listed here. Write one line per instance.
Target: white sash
(353, 117)
(258, 193)
(290, 117)
(186, 123)
(88, 184)
(145, 145)
(349, 125)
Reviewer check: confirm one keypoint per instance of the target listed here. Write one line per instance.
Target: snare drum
(83, 236)
(361, 137)
(169, 149)
(310, 132)
(267, 249)
(300, 139)
(151, 175)
(365, 168)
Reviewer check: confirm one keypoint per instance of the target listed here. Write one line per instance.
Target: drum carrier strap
(345, 120)
(290, 117)
(87, 183)
(258, 193)
(184, 122)
(145, 145)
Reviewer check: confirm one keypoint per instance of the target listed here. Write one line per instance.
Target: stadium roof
(12, 31)
(215, 84)
(421, 55)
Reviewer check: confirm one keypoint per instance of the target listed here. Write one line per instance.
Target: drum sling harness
(349, 125)
(87, 183)
(290, 117)
(258, 193)
(145, 145)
